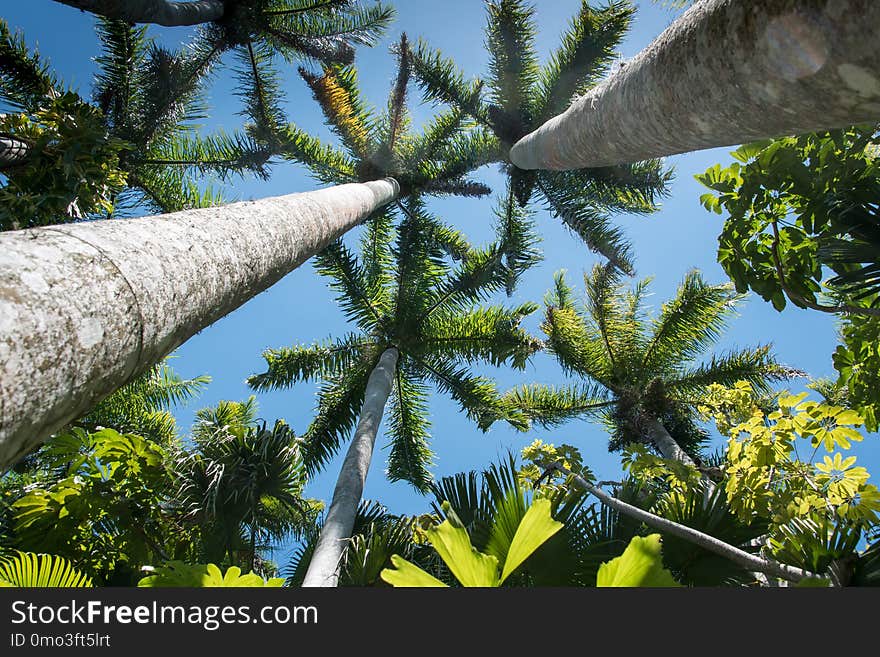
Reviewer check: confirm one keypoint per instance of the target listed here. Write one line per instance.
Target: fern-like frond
(25, 78)
(411, 458)
(513, 62)
(337, 94)
(553, 406)
(326, 163)
(442, 81)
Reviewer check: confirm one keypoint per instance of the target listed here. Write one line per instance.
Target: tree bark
(667, 445)
(13, 152)
(705, 541)
(726, 72)
(86, 307)
(323, 569)
(158, 12)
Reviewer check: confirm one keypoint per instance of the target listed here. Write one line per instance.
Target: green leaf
(470, 567)
(404, 574)
(640, 565)
(178, 574)
(536, 528)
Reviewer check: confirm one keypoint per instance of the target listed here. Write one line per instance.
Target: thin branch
(799, 300)
(750, 561)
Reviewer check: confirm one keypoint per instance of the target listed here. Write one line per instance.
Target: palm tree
(375, 145)
(89, 306)
(418, 325)
(138, 135)
(242, 484)
(641, 376)
(522, 95)
(677, 95)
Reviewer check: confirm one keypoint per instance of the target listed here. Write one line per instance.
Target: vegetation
(123, 497)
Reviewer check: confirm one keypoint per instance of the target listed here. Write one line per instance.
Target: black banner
(455, 621)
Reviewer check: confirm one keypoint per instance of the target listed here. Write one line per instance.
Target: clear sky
(301, 309)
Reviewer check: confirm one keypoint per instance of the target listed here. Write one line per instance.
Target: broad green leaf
(405, 574)
(535, 529)
(813, 582)
(470, 567)
(178, 574)
(640, 565)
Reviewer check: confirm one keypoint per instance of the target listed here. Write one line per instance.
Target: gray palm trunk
(85, 308)
(158, 12)
(665, 443)
(13, 151)
(726, 72)
(323, 568)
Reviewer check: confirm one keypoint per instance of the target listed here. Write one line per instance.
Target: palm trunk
(324, 567)
(158, 12)
(84, 308)
(13, 152)
(727, 72)
(667, 445)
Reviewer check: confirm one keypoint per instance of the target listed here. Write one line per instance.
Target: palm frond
(120, 73)
(553, 406)
(26, 569)
(25, 78)
(513, 63)
(326, 163)
(442, 81)
(690, 322)
(756, 365)
(221, 154)
(477, 396)
(362, 305)
(588, 49)
(411, 458)
(294, 364)
(337, 94)
(259, 86)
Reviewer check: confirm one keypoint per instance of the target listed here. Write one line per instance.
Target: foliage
(518, 95)
(27, 569)
(798, 207)
(178, 574)
(636, 368)
(103, 508)
(640, 565)
(404, 292)
(72, 170)
(242, 484)
(470, 567)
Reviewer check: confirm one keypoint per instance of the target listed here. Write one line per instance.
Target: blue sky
(301, 309)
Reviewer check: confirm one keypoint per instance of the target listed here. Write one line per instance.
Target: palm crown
(377, 145)
(404, 293)
(637, 368)
(519, 95)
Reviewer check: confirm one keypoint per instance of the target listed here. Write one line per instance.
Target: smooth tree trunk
(323, 569)
(86, 307)
(158, 12)
(665, 443)
(726, 72)
(747, 560)
(13, 152)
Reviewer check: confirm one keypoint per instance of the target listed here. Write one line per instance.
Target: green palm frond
(690, 322)
(325, 162)
(513, 65)
(120, 72)
(292, 365)
(339, 405)
(756, 365)
(27, 569)
(25, 79)
(552, 406)
(259, 86)
(340, 21)
(441, 128)
(442, 81)
(220, 154)
(361, 304)
(585, 56)
(411, 458)
(477, 396)
(577, 345)
(168, 190)
(492, 335)
(581, 214)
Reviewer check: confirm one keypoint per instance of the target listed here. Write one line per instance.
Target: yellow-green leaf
(536, 527)
(639, 565)
(406, 574)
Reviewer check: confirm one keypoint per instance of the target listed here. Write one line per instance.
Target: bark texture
(86, 307)
(158, 12)
(12, 151)
(324, 567)
(727, 72)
